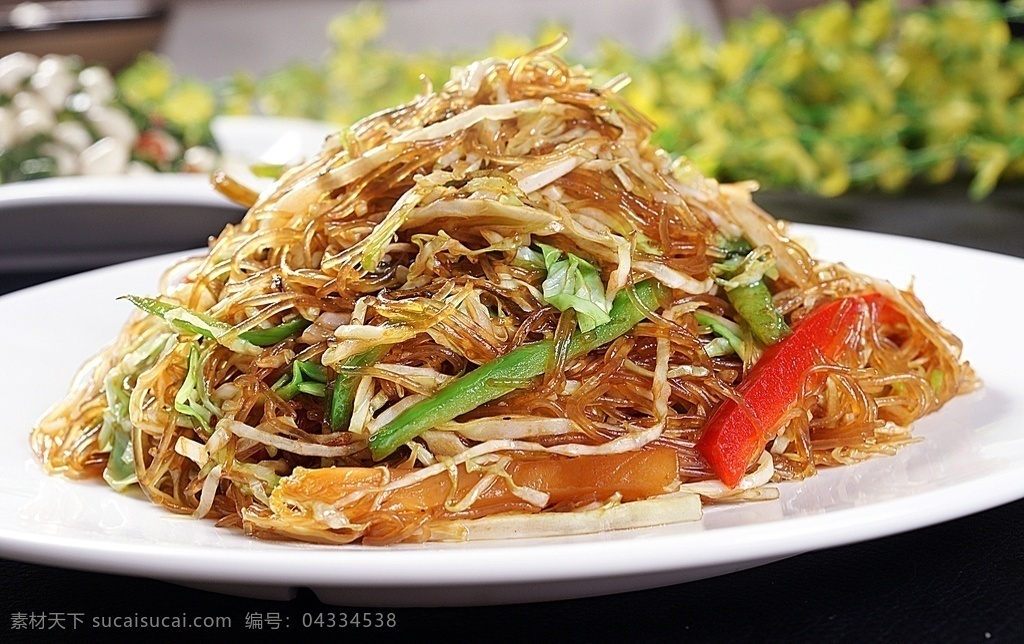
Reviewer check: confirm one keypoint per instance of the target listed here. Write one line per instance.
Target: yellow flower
(872, 22)
(733, 59)
(893, 170)
(791, 63)
(828, 26)
(833, 169)
(856, 118)
(189, 104)
(954, 118)
(148, 79)
(943, 170)
(767, 31)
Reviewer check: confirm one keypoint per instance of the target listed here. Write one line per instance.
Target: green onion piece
(313, 371)
(288, 385)
(317, 389)
(741, 274)
(514, 370)
(161, 309)
(268, 170)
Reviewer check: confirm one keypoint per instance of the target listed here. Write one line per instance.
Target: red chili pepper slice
(735, 434)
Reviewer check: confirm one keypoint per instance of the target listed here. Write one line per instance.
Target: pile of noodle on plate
(494, 311)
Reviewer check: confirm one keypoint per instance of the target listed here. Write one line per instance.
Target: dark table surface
(960, 581)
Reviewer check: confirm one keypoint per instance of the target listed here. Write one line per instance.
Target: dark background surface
(961, 581)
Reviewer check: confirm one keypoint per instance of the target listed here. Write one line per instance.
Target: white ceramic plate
(971, 459)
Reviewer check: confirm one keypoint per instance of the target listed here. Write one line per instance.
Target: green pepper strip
(754, 301)
(290, 386)
(735, 341)
(755, 305)
(512, 371)
(273, 335)
(259, 337)
(345, 385)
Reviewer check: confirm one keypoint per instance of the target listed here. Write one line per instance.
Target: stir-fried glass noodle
(497, 311)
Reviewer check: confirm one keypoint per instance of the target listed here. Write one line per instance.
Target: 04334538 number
(366, 619)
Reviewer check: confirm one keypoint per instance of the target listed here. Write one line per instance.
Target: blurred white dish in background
(269, 140)
(81, 222)
(246, 142)
(150, 188)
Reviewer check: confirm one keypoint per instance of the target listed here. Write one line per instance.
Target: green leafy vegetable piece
(274, 334)
(120, 470)
(719, 326)
(526, 257)
(115, 434)
(573, 283)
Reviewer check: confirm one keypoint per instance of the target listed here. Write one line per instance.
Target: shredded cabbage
(574, 283)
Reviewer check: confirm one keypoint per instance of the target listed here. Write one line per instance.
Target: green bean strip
(755, 305)
(345, 385)
(512, 371)
(259, 337)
